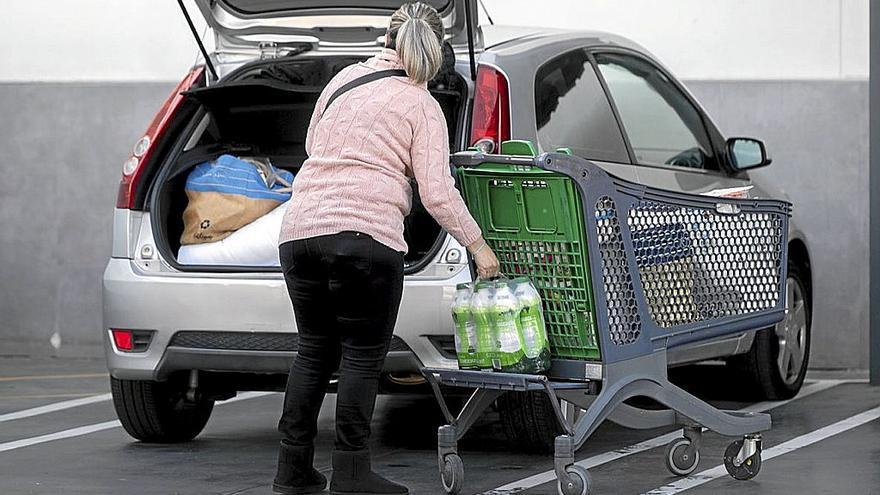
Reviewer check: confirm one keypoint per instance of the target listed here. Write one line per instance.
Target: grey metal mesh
(697, 264)
(625, 324)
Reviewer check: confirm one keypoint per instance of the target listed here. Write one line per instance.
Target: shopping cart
(626, 272)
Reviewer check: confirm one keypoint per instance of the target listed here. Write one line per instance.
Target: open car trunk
(262, 110)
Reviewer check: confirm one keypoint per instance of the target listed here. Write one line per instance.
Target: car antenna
(486, 11)
(469, 22)
(195, 34)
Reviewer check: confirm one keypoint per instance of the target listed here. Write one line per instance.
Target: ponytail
(416, 32)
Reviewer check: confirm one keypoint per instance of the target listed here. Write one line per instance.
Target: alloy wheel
(791, 333)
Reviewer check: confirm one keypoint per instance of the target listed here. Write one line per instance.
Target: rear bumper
(246, 306)
(226, 360)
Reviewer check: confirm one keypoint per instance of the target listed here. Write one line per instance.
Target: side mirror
(746, 153)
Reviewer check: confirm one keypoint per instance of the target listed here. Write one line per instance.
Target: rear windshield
(251, 7)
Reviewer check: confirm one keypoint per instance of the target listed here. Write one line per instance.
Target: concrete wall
(817, 134)
(80, 80)
(62, 148)
(95, 40)
(141, 40)
(721, 39)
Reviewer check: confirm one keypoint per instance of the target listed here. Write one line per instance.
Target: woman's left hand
(485, 259)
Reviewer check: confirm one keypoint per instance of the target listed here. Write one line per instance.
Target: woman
(342, 244)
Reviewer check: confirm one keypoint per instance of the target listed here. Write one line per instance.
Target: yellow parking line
(50, 377)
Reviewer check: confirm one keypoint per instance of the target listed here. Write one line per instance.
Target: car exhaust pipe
(406, 379)
(192, 391)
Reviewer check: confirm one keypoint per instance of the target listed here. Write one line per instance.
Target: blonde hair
(416, 32)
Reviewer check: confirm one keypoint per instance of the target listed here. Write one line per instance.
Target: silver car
(180, 337)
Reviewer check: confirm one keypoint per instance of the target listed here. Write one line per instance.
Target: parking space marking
(51, 377)
(58, 406)
(88, 429)
(606, 457)
(805, 392)
(247, 395)
(776, 451)
(44, 396)
(73, 432)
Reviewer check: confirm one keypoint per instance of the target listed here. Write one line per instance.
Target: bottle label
(471, 332)
(532, 341)
(462, 320)
(508, 340)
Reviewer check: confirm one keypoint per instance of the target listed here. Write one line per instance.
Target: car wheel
(777, 362)
(158, 412)
(529, 421)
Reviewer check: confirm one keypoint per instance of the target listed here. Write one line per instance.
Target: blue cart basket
(664, 269)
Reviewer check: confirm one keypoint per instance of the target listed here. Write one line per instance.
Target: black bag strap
(360, 81)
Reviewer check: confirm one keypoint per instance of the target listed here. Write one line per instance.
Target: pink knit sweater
(362, 154)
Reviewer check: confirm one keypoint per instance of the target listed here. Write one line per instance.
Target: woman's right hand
(485, 259)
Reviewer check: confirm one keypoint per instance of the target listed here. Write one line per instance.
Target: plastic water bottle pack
(500, 325)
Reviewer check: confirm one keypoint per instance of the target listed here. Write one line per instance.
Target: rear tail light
(131, 340)
(491, 122)
(133, 168)
(123, 340)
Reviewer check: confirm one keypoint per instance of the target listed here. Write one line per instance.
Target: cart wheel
(678, 460)
(748, 469)
(452, 474)
(578, 482)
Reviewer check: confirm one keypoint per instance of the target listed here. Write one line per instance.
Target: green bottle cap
(500, 283)
(463, 286)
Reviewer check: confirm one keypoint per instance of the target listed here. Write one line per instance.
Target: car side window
(663, 126)
(572, 110)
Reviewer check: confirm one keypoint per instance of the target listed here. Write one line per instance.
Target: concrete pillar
(874, 188)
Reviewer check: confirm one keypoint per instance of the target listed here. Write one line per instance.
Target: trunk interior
(263, 110)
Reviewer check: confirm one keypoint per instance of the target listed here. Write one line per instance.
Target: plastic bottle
(481, 309)
(465, 329)
(506, 326)
(536, 346)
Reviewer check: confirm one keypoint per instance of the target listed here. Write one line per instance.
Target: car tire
(529, 421)
(158, 412)
(777, 362)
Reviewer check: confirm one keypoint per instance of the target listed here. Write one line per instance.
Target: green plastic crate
(533, 220)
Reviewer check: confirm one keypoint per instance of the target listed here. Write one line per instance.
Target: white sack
(255, 244)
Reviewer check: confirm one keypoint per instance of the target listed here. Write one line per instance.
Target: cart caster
(452, 474)
(681, 457)
(578, 481)
(742, 459)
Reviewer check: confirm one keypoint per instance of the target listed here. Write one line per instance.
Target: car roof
(503, 38)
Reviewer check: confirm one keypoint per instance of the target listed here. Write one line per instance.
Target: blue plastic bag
(228, 193)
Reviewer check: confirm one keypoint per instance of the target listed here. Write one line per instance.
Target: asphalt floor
(59, 435)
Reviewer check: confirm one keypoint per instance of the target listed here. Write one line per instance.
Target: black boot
(296, 476)
(352, 475)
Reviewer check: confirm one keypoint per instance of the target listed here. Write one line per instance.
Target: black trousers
(345, 289)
